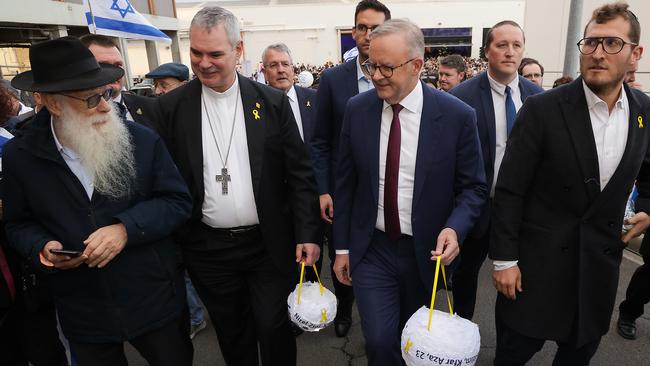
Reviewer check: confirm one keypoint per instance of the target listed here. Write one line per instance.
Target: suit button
(585, 221)
(607, 251)
(611, 224)
(565, 249)
(567, 188)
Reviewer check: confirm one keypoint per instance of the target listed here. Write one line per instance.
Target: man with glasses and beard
(337, 86)
(93, 201)
(569, 166)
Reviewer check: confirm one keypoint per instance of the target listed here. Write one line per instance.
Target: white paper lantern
(451, 340)
(316, 310)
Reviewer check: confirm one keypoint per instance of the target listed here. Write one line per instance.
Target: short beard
(106, 151)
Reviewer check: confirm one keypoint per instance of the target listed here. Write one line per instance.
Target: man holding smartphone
(93, 201)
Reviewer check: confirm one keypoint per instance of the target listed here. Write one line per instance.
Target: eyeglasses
(93, 100)
(611, 45)
(386, 71)
(276, 65)
(362, 28)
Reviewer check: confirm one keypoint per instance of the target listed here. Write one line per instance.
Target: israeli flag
(118, 18)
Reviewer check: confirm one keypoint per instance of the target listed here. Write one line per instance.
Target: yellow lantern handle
(435, 288)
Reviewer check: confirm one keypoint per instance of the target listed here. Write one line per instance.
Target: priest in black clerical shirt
(255, 213)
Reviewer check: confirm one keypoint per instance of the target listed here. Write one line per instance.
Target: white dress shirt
(501, 128)
(364, 83)
(237, 208)
(409, 117)
(610, 131)
(610, 135)
(295, 108)
(74, 163)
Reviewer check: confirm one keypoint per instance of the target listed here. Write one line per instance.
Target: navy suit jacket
(337, 86)
(307, 103)
(477, 93)
(450, 187)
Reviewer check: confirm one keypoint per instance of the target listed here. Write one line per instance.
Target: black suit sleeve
(518, 169)
(300, 178)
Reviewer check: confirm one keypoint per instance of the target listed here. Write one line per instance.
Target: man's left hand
(104, 244)
(640, 223)
(308, 252)
(446, 247)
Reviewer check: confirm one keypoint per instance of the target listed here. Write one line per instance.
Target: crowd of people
(122, 214)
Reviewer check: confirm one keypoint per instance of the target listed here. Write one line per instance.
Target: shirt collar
(60, 148)
(593, 99)
(230, 92)
(501, 88)
(360, 74)
(413, 101)
(291, 94)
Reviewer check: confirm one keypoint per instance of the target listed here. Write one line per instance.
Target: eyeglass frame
(275, 65)
(368, 28)
(367, 65)
(107, 95)
(601, 43)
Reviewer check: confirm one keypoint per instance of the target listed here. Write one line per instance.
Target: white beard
(105, 150)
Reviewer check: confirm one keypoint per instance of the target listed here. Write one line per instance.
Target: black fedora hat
(64, 64)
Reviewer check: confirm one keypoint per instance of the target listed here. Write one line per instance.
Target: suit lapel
(576, 117)
(192, 116)
(488, 114)
(633, 147)
(305, 104)
(372, 124)
(255, 117)
(427, 141)
(352, 81)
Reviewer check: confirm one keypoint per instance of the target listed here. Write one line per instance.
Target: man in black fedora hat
(93, 201)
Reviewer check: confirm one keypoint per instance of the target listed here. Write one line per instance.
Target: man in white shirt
(560, 198)
(279, 73)
(496, 95)
(255, 214)
(410, 185)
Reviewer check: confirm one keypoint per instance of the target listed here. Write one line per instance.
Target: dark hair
(454, 61)
(371, 4)
(6, 105)
(490, 37)
(612, 11)
(529, 61)
(562, 80)
(98, 39)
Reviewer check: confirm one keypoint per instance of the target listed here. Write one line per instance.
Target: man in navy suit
(496, 95)
(409, 187)
(279, 73)
(336, 87)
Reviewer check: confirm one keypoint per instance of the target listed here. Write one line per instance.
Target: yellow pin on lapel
(257, 105)
(640, 120)
(256, 114)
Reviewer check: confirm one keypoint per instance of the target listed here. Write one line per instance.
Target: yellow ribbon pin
(408, 345)
(640, 119)
(323, 316)
(256, 114)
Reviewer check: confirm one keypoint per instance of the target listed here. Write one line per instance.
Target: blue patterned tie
(511, 111)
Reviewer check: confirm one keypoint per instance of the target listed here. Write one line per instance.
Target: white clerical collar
(291, 94)
(593, 99)
(501, 88)
(229, 93)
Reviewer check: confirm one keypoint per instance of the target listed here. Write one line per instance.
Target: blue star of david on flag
(119, 18)
(123, 11)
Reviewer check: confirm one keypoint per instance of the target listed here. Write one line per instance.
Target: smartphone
(69, 253)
